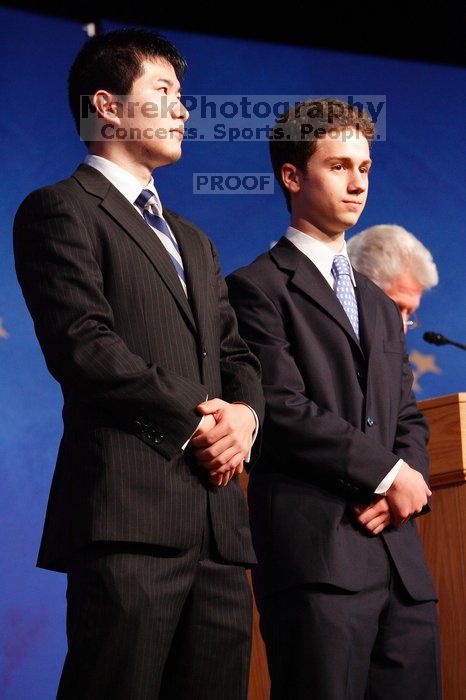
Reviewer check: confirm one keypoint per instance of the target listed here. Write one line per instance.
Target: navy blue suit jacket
(339, 415)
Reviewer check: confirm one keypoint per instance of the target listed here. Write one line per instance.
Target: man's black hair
(113, 62)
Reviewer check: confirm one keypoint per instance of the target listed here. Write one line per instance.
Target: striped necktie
(146, 201)
(345, 290)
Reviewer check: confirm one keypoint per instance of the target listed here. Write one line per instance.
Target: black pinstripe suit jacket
(133, 357)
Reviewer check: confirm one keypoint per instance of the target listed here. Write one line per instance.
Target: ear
(291, 177)
(108, 106)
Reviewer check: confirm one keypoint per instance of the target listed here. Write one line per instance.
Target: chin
(177, 155)
(173, 155)
(350, 221)
(161, 159)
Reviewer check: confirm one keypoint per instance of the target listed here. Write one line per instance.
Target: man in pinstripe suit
(162, 402)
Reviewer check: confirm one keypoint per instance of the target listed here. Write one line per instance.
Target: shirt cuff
(385, 484)
(256, 429)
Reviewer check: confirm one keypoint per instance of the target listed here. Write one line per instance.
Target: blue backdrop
(416, 181)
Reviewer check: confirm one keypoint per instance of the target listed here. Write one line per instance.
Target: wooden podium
(443, 534)
(259, 679)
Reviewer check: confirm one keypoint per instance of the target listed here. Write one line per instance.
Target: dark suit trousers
(147, 622)
(325, 643)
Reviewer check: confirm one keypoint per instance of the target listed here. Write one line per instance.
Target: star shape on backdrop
(422, 364)
(3, 332)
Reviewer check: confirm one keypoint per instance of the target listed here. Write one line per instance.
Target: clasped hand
(223, 440)
(406, 497)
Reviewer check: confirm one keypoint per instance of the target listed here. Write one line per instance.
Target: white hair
(387, 251)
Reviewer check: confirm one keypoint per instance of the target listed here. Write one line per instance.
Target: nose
(358, 182)
(405, 316)
(178, 110)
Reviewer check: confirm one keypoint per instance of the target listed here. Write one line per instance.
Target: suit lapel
(367, 306)
(307, 278)
(135, 226)
(195, 268)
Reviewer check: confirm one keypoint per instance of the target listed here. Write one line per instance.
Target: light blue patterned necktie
(344, 290)
(160, 226)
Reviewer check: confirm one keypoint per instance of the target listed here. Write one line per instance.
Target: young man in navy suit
(345, 596)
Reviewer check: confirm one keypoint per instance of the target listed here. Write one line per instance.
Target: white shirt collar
(319, 253)
(124, 181)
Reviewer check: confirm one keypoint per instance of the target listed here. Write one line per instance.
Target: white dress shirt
(124, 181)
(130, 187)
(322, 256)
(319, 253)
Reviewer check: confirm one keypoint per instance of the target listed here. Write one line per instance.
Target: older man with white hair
(398, 263)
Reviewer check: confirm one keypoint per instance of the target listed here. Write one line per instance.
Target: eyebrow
(345, 159)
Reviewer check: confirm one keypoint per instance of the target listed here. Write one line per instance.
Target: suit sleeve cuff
(183, 447)
(385, 484)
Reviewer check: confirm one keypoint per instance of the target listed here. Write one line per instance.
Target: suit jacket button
(204, 353)
(370, 422)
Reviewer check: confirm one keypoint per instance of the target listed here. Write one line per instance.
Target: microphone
(439, 339)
